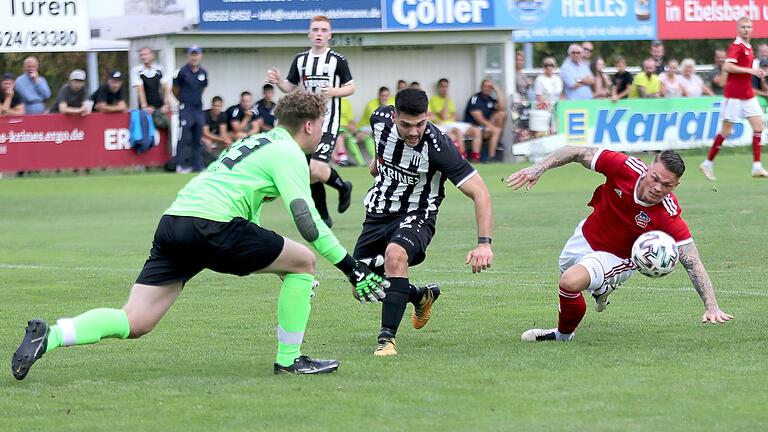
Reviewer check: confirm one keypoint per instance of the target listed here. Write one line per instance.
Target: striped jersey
(315, 72)
(619, 217)
(412, 179)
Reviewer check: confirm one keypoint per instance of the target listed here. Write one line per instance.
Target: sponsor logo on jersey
(642, 219)
(618, 192)
(396, 173)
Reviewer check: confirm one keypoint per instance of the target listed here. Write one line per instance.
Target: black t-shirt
(622, 80)
(480, 102)
(102, 94)
(15, 99)
(152, 80)
(266, 113)
(214, 125)
(235, 113)
(72, 98)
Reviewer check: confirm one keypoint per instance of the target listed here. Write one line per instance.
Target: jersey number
(245, 148)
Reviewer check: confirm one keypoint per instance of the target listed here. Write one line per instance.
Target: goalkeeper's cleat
(538, 335)
(708, 172)
(306, 366)
(31, 349)
(423, 310)
(601, 297)
(345, 197)
(386, 346)
(759, 173)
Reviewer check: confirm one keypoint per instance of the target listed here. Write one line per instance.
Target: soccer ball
(655, 254)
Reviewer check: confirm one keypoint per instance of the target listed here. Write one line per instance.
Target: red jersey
(619, 217)
(739, 85)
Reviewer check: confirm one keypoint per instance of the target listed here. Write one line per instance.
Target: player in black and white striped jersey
(413, 160)
(323, 71)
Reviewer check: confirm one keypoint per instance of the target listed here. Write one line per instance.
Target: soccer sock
(88, 328)
(293, 308)
(416, 294)
(756, 137)
(715, 147)
(370, 146)
(475, 156)
(572, 310)
(335, 181)
(394, 304)
(318, 196)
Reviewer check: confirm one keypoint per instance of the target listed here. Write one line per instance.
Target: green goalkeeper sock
(292, 315)
(370, 146)
(88, 328)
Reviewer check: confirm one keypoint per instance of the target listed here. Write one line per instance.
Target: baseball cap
(116, 75)
(763, 62)
(194, 49)
(8, 76)
(77, 74)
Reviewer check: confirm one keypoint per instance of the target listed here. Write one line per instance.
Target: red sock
(715, 147)
(475, 157)
(756, 137)
(572, 310)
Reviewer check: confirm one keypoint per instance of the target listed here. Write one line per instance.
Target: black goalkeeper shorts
(412, 232)
(184, 246)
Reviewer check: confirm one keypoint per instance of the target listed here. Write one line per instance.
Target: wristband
(484, 240)
(346, 265)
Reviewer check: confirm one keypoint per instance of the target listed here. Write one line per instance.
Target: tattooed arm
(689, 258)
(529, 176)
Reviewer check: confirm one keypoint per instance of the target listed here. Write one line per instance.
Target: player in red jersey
(634, 199)
(740, 101)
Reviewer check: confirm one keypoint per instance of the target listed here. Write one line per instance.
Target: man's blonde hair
(298, 107)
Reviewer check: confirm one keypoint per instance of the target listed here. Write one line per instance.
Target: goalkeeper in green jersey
(214, 224)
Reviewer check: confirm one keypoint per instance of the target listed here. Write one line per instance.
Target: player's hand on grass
(480, 258)
(525, 177)
(715, 316)
(368, 286)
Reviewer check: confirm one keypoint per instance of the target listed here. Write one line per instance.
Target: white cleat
(601, 299)
(538, 335)
(759, 173)
(709, 173)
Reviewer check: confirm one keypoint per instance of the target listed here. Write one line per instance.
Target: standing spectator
(11, 103)
(72, 96)
(442, 113)
(215, 136)
(577, 78)
(622, 80)
(601, 89)
(647, 83)
(110, 96)
(522, 83)
(189, 83)
(32, 87)
(673, 82)
(586, 49)
(547, 87)
(151, 84)
(487, 112)
(265, 109)
(693, 85)
(762, 54)
(716, 77)
(759, 84)
(241, 118)
(657, 54)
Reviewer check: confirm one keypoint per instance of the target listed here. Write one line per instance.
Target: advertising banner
(709, 19)
(51, 25)
(574, 20)
(439, 14)
(58, 141)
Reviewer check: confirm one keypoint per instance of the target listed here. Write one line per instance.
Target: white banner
(51, 25)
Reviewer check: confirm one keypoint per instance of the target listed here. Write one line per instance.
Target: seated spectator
(693, 84)
(548, 87)
(32, 87)
(601, 89)
(488, 113)
(646, 84)
(673, 82)
(363, 130)
(622, 80)
(761, 85)
(716, 77)
(110, 96)
(415, 85)
(576, 76)
(265, 109)
(72, 96)
(215, 136)
(241, 118)
(522, 83)
(442, 113)
(11, 102)
(346, 152)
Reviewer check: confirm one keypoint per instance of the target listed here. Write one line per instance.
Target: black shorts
(184, 246)
(324, 150)
(411, 231)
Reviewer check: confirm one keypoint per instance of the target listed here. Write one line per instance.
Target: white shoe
(760, 172)
(538, 335)
(601, 297)
(709, 173)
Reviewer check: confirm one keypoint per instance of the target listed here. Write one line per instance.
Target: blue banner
(576, 20)
(439, 14)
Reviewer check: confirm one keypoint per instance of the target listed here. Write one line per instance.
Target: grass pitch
(70, 244)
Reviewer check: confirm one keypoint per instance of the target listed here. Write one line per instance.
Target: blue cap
(194, 49)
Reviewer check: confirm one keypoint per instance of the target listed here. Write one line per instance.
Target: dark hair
(268, 87)
(217, 99)
(672, 161)
(245, 93)
(415, 84)
(297, 107)
(383, 89)
(411, 101)
(442, 80)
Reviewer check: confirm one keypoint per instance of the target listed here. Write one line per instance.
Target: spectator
(762, 54)
(189, 83)
(72, 96)
(761, 85)
(346, 145)
(586, 49)
(647, 83)
(442, 113)
(215, 136)
(577, 78)
(622, 80)
(522, 83)
(693, 85)
(151, 84)
(110, 96)
(415, 85)
(11, 103)
(32, 87)
(715, 77)
(548, 88)
(488, 113)
(265, 109)
(657, 54)
(673, 82)
(601, 89)
(401, 85)
(363, 129)
(241, 118)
